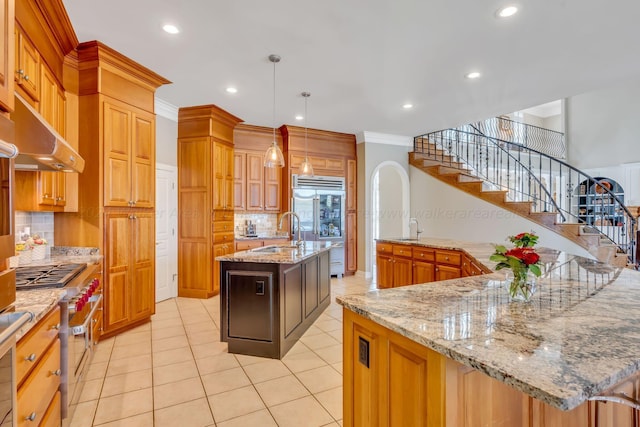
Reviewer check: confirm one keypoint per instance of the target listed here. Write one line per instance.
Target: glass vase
(522, 285)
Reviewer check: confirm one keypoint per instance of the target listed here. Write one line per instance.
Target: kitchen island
(458, 353)
(271, 295)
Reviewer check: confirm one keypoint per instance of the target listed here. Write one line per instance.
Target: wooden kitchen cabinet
(129, 155)
(351, 185)
(130, 266)
(423, 272)
(40, 191)
(257, 187)
(223, 176)
(52, 101)
(38, 371)
(27, 64)
(7, 58)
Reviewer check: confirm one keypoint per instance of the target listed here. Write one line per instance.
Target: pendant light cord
(274, 102)
(306, 151)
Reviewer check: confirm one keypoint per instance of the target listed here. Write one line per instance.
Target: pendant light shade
(306, 168)
(273, 157)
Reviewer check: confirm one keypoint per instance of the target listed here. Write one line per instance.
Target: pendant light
(273, 158)
(306, 168)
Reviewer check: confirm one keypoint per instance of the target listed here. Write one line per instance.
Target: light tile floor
(174, 371)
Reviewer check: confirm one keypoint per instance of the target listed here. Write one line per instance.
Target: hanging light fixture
(306, 168)
(273, 158)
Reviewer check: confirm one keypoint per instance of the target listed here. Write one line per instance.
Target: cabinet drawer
(384, 248)
(33, 345)
(424, 254)
(223, 226)
(448, 257)
(40, 387)
(223, 237)
(220, 215)
(243, 245)
(402, 250)
(52, 417)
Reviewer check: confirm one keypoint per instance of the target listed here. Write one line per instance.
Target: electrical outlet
(363, 351)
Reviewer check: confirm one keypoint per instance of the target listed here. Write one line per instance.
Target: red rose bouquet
(522, 259)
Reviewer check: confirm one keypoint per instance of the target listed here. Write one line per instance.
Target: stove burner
(48, 276)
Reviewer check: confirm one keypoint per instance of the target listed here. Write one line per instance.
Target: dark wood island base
(266, 307)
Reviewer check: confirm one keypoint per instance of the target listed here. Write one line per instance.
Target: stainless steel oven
(9, 325)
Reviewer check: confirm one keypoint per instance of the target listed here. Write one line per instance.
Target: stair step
(470, 186)
(524, 207)
(497, 196)
(546, 218)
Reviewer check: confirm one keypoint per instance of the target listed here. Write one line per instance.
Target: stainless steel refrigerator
(319, 201)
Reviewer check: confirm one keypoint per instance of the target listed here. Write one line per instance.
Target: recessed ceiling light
(506, 11)
(299, 117)
(407, 106)
(171, 29)
(472, 75)
(231, 89)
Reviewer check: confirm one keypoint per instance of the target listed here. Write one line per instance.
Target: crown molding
(165, 109)
(384, 138)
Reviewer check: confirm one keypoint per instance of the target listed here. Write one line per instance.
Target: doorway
(166, 229)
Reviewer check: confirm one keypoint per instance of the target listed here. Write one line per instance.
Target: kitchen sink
(275, 249)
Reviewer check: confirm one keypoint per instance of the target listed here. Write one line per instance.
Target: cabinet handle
(26, 77)
(422, 255)
(20, 71)
(94, 321)
(446, 258)
(133, 217)
(46, 196)
(31, 417)
(56, 327)
(31, 357)
(57, 372)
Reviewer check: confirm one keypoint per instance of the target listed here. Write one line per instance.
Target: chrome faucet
(299, 242)
(418, 231)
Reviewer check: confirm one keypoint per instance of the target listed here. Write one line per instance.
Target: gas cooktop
(46, 276)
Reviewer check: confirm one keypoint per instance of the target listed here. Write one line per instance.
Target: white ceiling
(363, 59)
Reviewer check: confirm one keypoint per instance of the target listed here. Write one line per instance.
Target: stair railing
(527, 174)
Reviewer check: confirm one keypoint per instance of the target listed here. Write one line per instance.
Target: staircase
(529, 183)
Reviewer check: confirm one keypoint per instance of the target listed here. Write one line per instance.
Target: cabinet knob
(57, 372)
(56, 326)
(446, 258)
(31, 357)
(422, 255)
(26, 77)
(31, 417)
(20, 71)
(46, 196)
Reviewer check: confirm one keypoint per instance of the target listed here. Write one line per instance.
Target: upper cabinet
(7, 57)
(27, 68)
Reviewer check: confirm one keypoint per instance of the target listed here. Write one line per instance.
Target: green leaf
(501, 248)
(498, 258)
(535, 270)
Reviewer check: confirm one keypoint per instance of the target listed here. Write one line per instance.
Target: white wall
(390, 213)
(166, 141)
(446, 212)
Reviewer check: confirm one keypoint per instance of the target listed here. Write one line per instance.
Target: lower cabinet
(38, 373)
(390, 380)
(129, 290)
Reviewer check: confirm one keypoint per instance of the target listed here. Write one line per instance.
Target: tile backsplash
(35, 223)
(266, 224)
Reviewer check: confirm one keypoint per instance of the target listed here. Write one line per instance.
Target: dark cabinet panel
(292, 289)
(324, 277)
(310, 286)
(250, 297)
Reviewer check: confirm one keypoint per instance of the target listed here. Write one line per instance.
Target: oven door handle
(81, 329)
(13, 322)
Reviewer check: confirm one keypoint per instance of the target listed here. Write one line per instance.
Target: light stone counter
(579, 336)
(287, 255)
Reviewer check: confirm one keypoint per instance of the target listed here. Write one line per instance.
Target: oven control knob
(79, 305)
(89, 292)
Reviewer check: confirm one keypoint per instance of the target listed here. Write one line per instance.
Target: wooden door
(116, 135)
(352, 253)
(218, 176)
(228, 177)
(118, 240)
(351, 185)
(384, 271)
(60, 124)
(255, 181)
(142, 286)
(28, 67)
(218, 250)
(272, 189)
(239, 184)
(423, 272)
(445, 272)
(48, 96)
(402, 271)
(46, 191)
(60, 189)
(143, 160)
(7, 58)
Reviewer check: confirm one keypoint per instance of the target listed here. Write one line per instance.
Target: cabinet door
(351, 185)
(384, 275)
(402, 271)
(117, 155)
(60, 190)
(219, 250)
(272, 189)
(118, 266)
(142, 286)
(352, 253)
(7, 58)
(143, 160)
(445, 272)
(423, 272)
(228, 177)
(28, 67)
(48, 96)
(239, 174)
(218, 176)
(60, 124)
(46, 183)
(255, 183)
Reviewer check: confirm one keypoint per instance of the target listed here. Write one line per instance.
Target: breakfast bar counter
(578, 339)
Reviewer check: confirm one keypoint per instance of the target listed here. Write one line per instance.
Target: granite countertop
(287, 255)
(261, 237)
(578, 337)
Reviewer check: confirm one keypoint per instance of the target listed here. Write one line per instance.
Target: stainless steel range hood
(40, 146)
